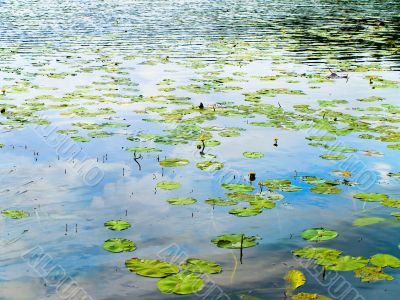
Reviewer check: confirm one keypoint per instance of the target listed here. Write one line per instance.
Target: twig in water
(135, 158)
(241, 249)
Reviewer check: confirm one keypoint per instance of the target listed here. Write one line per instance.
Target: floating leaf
(173, 162)
(210, 143)
(371, 197)
(117, 225)
(294, 279)
(391, 203)
(241, 196)
(151, 267)
(321, 138)
(182, 284)
(317, 253)
(309, 296)
(314, 180)
(347, 263)
(168, 185)
(203, 266)
(233, 241)
(245, 211)
(229, 133)
(319, 234)
(325, 189)
(372, 153)
(80, 139)
(238, 187)
(181, 201)
(143, 150)
(15, 214)
(385, 260)
(119, 245)
(396, 215)
(262, 203)
(253, 154)
(372, 274)
(209, 165)
(360, 222)
(276, 184)
(220, 202)
(290, 188)
(343, 149)
(332, 156)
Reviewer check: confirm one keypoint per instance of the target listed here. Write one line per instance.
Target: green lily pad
(391, 203)
(313, 180)
(233, 241)
(343, 149)
(262, 203)
(290, 188)
(325, 189)
(360, 222)
(181, 201)
(241, 196)
(319, 234)
(332, 156)
(385, 260)
(371, 197)
(396, 215)
(168, 185)
(245, 211)
(210, 143)
(317, 253)
(371, 99)
(394, 146)
(117, 245)
(238, 187)
(143, 150)
(309, 296)
(372, 274)
(320, 138)
(15, 214)
(80, 139)
(229, 133)
(253, 154)
(203, 266)
(276, 184)
(348, 263)
(100, 134)
(220, 202)
(209, 165)
(151, 267)
(173, 162)
(182, 284)
(117, 225)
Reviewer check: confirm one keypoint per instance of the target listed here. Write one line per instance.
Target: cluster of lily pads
(181, 280)
(366, 269)
(187, 281)
(380, 198)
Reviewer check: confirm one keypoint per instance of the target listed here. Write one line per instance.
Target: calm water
(66, 64)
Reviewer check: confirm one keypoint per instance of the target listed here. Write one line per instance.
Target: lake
(260, 136)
